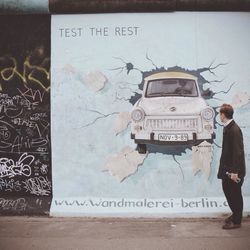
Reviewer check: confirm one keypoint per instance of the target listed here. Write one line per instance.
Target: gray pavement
(17, 233)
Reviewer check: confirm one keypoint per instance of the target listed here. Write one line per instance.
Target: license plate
(171, 137)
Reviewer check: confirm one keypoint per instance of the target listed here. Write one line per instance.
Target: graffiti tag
(9, 168)
(38, 186)
(17, 205)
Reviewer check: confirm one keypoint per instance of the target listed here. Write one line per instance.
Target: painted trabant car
(171, 111)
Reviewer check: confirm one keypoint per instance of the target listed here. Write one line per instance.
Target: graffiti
(4, 133)
(32, 94)
(24, 112)
(9, 106)
(28, 73)
(22, 143)
(16, 205)
(38, 186)
(15, 105)
(10, 185)
(37, 116)
(9, 168)
(25, 122)
(44, 169)
(43, 127)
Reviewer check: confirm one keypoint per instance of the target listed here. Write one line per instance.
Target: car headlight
(137, 115)
(207, 114)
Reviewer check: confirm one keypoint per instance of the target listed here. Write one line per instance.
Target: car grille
(172, 124)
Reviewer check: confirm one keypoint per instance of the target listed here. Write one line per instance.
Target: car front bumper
(152, 138)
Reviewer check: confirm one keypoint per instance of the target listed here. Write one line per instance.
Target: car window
(171, 87)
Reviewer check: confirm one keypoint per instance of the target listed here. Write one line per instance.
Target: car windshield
(171, 87)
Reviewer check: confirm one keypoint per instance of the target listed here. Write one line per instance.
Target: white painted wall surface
(85, 108)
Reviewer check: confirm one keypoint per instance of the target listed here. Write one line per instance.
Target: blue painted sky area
(38, 6)
(90, 43)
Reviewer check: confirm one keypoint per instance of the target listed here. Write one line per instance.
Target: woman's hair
(227, 110)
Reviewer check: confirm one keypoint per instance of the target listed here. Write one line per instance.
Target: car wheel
(142, 148)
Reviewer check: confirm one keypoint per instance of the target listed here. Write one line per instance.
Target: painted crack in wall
(201, 154)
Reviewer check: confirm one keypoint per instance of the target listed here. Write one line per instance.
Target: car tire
(142, 148)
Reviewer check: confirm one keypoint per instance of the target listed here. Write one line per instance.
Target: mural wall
(25, 152)
(135, 98)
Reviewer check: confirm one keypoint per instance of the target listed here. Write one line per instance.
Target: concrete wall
(95, 6)
(24, 6)
(99, 63)
(25, 151)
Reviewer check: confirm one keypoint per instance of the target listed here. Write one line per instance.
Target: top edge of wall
(118, 6)
(24, 7)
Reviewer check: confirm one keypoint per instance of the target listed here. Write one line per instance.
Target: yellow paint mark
(8, 73)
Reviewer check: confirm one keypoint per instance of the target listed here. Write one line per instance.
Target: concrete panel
(24, 6)
(25, 152)
(130, 49)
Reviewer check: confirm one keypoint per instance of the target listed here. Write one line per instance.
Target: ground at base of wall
(117, 233)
